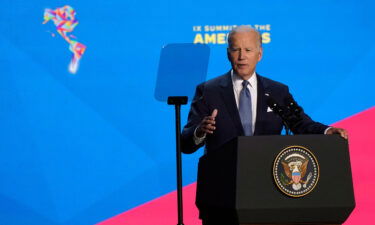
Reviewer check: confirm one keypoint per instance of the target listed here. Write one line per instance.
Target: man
(234, 104)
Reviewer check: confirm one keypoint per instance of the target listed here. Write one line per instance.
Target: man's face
(244, 53)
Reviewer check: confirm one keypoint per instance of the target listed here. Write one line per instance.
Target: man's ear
(260, 54)
(228, 54)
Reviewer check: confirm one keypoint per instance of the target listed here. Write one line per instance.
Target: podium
(239, 181)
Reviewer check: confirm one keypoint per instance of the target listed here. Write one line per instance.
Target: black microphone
(290, 113)
(276, 108)
(279, 110)
(292, 106)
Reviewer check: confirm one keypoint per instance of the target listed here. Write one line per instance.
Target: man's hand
(207, 126)
(335, 130)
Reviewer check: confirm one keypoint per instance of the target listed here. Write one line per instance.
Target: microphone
(276, 108)
(292, 106)
(290, 114)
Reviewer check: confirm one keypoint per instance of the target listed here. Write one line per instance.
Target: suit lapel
(261, 104)
(227, 94)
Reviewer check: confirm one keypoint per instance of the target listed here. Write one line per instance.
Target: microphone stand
(278, 110)
(177, 101)
(293, 113)
(287, 129)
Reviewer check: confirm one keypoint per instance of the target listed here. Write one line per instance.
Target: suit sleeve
(198, 111)
(305, 125)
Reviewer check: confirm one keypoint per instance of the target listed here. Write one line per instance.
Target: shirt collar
(237, 80)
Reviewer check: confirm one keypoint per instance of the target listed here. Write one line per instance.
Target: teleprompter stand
(177, 101)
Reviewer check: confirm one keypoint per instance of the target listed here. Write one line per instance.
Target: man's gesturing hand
(207, 126)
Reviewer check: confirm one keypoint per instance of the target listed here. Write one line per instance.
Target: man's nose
(241, 54)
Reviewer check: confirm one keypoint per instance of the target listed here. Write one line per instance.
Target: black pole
(177, 101)
(179, 166)
(287, 129)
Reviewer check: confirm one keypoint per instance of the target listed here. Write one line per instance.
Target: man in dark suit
(234, 104)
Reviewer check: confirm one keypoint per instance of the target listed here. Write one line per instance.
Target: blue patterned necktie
(246, 113)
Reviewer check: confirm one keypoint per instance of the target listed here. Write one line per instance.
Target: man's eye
(249, 49)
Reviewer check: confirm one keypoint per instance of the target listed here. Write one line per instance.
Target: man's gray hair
(244, 28)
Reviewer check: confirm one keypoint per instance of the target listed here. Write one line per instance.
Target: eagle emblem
(296, 171)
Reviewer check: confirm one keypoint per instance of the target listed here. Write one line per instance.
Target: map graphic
(65, 22)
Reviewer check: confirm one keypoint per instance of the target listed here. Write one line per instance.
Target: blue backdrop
(78, 149)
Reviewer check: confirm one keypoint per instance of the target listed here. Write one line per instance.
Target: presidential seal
(296, 171)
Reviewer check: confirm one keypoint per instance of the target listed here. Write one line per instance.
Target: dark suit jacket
(218, 94)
